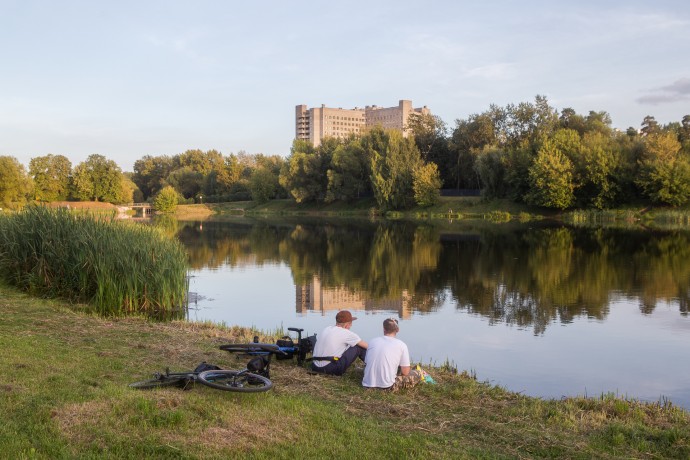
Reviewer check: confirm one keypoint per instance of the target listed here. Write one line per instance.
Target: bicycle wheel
(161, 381)
(241, 381)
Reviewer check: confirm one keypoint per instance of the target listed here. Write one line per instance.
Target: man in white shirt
(384, 356)
(340, 345)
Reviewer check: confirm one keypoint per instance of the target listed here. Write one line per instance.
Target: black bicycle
(285, 348)
(212, 376)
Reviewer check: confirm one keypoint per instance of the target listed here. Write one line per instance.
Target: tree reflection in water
(529, 277)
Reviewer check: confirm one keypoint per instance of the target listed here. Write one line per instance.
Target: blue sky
(127, 79)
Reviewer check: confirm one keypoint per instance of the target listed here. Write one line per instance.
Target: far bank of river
(448, 210)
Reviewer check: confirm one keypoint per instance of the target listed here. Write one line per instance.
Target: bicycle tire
(160, 382)
(229, 380)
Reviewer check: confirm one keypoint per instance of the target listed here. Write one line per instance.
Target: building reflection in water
(317, 298)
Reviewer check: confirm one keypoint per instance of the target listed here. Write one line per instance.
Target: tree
(348, 176)
(15, 185)
(597, 166)
(685, 132)
(569, 119)
(186, 181)
(599, 122)
(491, 169)
(303, 174)
(263, 184)
(150, 174)
(430, 134)
(649, 126)
(664, 174)
(393, 162)
(551, 179)
(130, 192)
(166, 200)
(51, 175)
(426, 185)
(469, 138)
(97, 179)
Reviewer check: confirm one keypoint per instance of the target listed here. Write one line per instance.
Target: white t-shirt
(384, 355)
(333, 341)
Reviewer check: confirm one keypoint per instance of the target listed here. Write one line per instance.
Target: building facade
(319, 122)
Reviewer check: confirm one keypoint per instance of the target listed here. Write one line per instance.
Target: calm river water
(540, 309)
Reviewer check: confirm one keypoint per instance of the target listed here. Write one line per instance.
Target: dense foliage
(527, 152)
(15, 185)
(115, 266)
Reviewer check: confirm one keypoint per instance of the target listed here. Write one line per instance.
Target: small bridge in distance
(145, 208)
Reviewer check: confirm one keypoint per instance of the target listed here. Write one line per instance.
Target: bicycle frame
(269, 349)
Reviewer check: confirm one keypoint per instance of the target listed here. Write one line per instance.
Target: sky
(127, 79)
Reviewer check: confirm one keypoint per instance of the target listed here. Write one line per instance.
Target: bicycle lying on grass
(254, 378)
(212, 376)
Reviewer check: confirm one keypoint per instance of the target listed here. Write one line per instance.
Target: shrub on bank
(117, 267)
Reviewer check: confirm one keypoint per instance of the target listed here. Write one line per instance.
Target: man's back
(333, 341)
(384, 355)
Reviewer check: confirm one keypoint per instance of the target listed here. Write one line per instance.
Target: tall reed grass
(117, 267)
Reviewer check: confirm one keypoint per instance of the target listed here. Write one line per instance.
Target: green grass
(116, 267)
(64, 395)
(454, 208)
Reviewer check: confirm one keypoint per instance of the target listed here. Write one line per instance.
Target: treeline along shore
(528, 153)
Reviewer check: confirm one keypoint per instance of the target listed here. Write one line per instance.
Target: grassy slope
(65, 395)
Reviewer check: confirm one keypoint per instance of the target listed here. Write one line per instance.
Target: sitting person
(384, 355)
(340, 345)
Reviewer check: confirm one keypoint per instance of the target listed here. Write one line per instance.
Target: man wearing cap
(384, 356)
(340, 345)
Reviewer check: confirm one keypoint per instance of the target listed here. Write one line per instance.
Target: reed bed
(116, 267)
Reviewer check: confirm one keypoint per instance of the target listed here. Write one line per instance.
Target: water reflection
(526, 276)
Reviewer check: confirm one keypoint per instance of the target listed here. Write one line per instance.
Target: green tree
(97, 179)
(597, 168)
(426, 185)
(685, 133)
(598, 122)
(166, 200)
(650, 126)
(263, 184)
(551, 179)
(150, 174)
(186, 181)
(51, 175)
(348, 176)
(393, 162)
(491, 168)
(569, 119)
(15, 185)
(664, 174)
(303, 175)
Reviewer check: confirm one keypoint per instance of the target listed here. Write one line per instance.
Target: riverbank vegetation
(67, 397)
(529, 153)
(114, 266)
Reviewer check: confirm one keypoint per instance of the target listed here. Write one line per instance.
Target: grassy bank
(450, 209)
(447, 208)
(65, 395)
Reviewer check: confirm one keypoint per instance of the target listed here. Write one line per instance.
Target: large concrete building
(316, 123)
